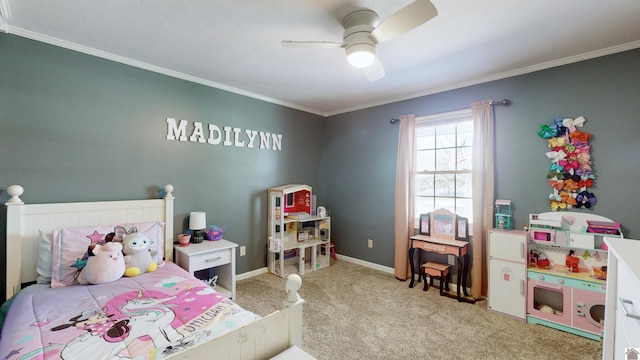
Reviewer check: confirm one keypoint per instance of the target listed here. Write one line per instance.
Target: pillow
(70, 245)
(45, 244)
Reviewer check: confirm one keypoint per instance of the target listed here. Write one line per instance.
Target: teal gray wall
(79, 128)
(74, 127)
(361, 148)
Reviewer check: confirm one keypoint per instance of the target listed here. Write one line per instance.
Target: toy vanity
(566, 275)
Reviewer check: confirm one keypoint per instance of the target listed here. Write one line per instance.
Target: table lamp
(197, 223)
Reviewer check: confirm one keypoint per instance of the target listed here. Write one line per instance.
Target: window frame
(444, 119)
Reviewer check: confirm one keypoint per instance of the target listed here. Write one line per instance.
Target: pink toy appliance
(543, 236)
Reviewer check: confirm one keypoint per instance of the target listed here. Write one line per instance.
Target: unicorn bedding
(151, 316)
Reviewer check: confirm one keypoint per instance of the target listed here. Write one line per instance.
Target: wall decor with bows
(570, 175)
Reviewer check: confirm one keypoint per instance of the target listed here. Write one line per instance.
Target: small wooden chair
(435, 270)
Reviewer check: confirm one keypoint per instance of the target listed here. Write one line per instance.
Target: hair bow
(579, 137)
(556, 167)
(556, 155)
(569, 164)
(567, 198)
(583, 158)
(560, 128)
(585, 183)
(583, 148)
(555, 205)
(554, 197)
(573, 177)
(579, 121)
(571, 185)
(555, 141)
(556, 184)
(554, 175)
(547, 132)
(120, 232)
(586, 199)
(570, 148)
(584, 174)
(586, 166)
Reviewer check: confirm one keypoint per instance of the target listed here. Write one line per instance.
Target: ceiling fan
(363, 31)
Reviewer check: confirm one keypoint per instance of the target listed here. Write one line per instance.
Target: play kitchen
(566, 272)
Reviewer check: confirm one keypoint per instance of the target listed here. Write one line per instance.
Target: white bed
(261, 339)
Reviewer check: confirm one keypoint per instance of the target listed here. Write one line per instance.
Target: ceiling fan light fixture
(361, 55)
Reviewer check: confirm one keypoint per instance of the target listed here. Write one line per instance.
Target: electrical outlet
(370, 244)
(243, 250)
(452, 260)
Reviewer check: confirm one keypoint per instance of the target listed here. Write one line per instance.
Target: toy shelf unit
(503, 214)
(298, 240)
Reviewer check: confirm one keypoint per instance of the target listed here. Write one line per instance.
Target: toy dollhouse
(298, 238)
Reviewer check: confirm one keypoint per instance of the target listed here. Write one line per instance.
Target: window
(443, 163)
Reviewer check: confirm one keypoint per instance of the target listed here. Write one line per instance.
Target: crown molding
(4, 15)
(142, 65)
(521, 71)
(121, 59)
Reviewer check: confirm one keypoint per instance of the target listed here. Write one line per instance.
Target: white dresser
(622, 316)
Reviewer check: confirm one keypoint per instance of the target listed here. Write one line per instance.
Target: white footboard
(262, 339)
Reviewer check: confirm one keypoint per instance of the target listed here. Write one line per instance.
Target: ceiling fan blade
(311, 44)
(404, 20)
(375, 71)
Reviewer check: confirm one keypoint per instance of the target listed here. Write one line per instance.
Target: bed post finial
(294, 282)
(168, 188)
(15, 191)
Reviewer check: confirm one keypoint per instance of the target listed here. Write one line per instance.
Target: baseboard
(386, 269)
(370, 265)
(252, 273)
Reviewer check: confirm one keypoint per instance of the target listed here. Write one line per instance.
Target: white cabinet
(622, 317)
(219, 255)
(507, 272)
(298, 240)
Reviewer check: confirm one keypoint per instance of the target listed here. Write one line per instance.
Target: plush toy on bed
(105, 264)
(138, 257)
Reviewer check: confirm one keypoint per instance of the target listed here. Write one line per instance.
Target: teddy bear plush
(137, 255)
(105, 264)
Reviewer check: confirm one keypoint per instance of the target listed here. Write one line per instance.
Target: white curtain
(483, 191)
(404, 195)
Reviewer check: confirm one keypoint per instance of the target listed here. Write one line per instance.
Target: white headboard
(24, 221)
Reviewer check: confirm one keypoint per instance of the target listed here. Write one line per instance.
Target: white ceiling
(235, 44)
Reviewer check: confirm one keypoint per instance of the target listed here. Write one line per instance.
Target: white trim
(485, 79)
(521, 71)
(5, 14)
(142, 65)
(370, 265)
(264, 270)
(250, 274)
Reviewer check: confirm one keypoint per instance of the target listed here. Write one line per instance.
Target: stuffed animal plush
(138, 260)
(105, 264)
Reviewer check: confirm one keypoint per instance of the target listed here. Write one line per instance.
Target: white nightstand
(219, 254)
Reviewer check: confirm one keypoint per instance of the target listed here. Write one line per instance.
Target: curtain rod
(503, 102)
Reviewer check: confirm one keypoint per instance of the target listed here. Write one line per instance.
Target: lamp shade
(361, 55)
(197, 220)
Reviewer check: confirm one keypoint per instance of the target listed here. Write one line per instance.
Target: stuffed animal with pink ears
(105, 264)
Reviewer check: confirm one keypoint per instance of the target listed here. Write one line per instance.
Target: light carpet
(354, 312)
